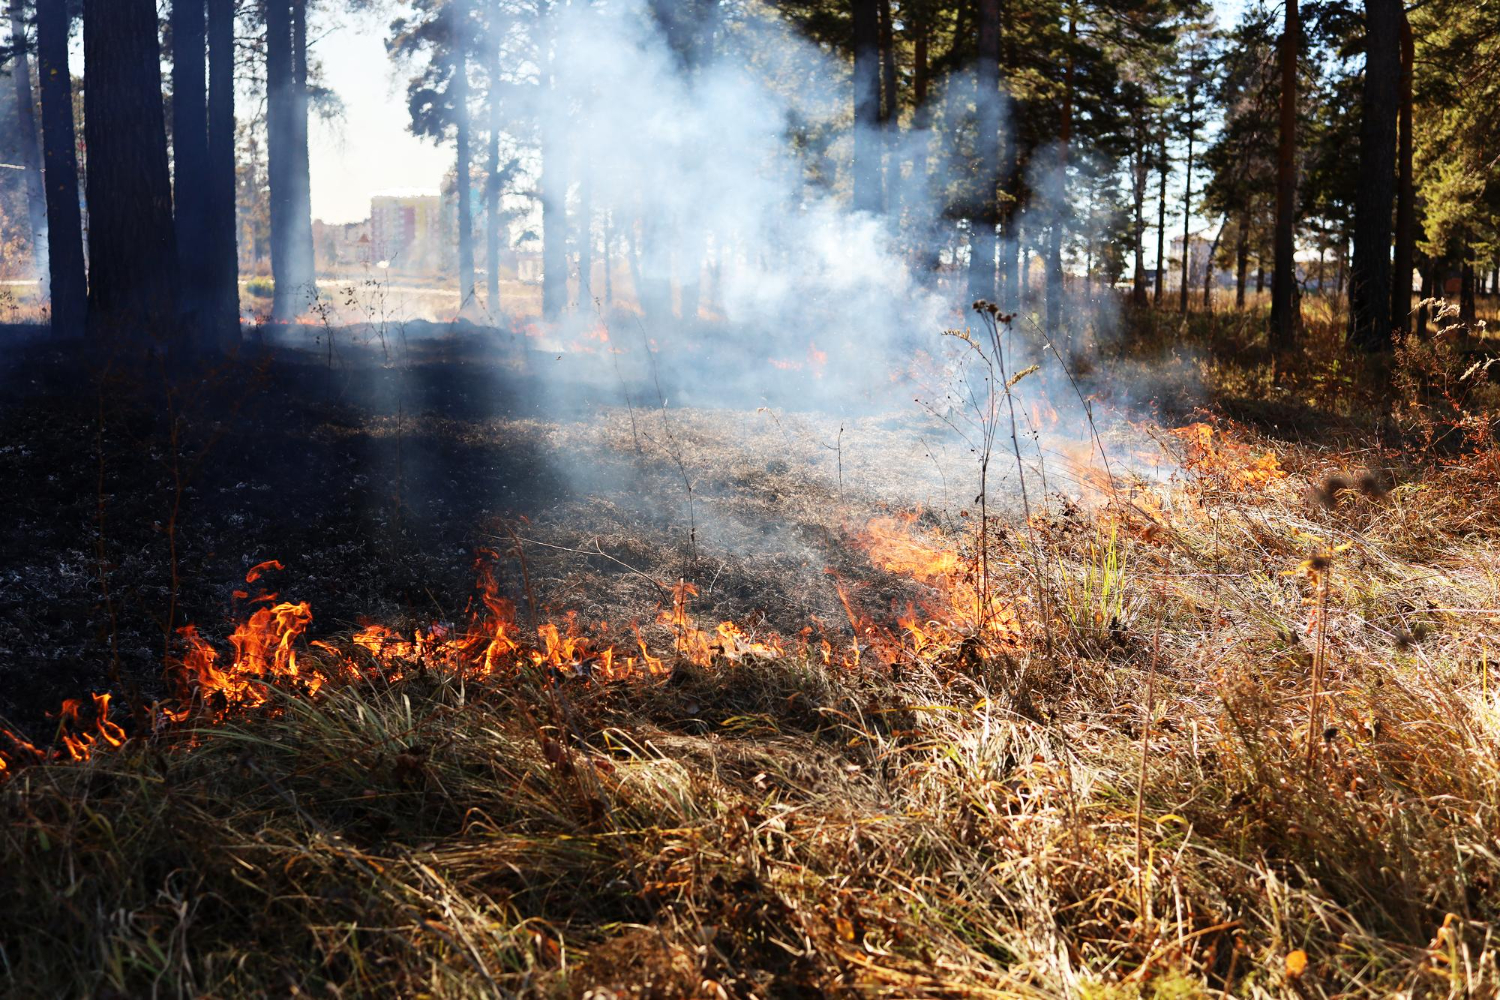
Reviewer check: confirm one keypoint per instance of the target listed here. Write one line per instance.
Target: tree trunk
(1187, 213)
(867, 193)
(1260, 276)
(1140, 174)
(1010, 183)
(1161, 220)
(280, 136)
(1338, 286)
(190, 175)
(987, 141)
(586, 242)
(300, 256)
(1241, 260)
(890, 110)
(1428, 283)
(69, 286)
(1406, 196)
(924, 238)
(1283, 326)
(609, 242)
(554, 190)
(492, 185)
(1370, 278)
(466, 289)
(1468, 312)
(133, 284)
(1060, 192)
(31, 153)
(1208, 267)
(223, 246)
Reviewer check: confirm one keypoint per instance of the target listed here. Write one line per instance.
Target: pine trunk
(1283, 327)
(466, 290)
(300, 251)
(223, 246)
(1060, 195)
(867, 192)
(987, 144)
(1406, 197)
(1187, 217)
(492, 186)
(1370, 277)
(1161, 221)
(133, 283)
(1241, 261)
(31, 152)
(280, 136)
(190, 175)
(1139, 177)
(889, 108)
(69, 285)
(586, 243)
(1468, 312)
(554, 190)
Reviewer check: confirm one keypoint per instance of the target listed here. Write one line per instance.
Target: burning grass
(1228, 731)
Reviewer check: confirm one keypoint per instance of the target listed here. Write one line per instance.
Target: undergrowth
(1257, 756)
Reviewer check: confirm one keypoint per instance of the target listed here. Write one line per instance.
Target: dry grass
(1136, 808)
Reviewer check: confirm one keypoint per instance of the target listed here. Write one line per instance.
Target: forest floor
(1229, 730)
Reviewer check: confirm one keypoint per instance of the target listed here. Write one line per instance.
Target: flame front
(269, 651)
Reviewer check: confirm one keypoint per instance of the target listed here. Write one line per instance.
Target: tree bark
(1406, 196)
(190, 175)
(280, 136)
(925, 239)
(223, 248)
(69, 285)
(1370, 277)
(1060, 193)
(1140, 174)
(1468, 312)
(460, 42)
(987, 142)
(1161, 220)
(1428, 284)
(1283, 326)
(586, 243)
(1208, 267)
(1187, 212)
(300, 252)
(492, 185)
(1241, 260)
(867, 193)
(31, 153)
(1010, 182)
(554, 190)
(608, 258)
(133, 283)
(890, 110)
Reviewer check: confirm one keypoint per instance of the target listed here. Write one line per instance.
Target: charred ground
(377, 483)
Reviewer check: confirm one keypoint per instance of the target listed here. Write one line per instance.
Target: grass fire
(626, 499)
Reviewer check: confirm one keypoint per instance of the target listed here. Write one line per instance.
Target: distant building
(1199, 246)
(410, 230)
(342, 246)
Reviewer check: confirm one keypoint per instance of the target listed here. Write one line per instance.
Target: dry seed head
(1327, 494)
(1373, 485)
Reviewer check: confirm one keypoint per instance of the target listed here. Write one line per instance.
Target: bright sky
(371, 149)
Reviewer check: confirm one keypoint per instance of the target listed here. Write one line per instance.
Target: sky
(371, 148)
